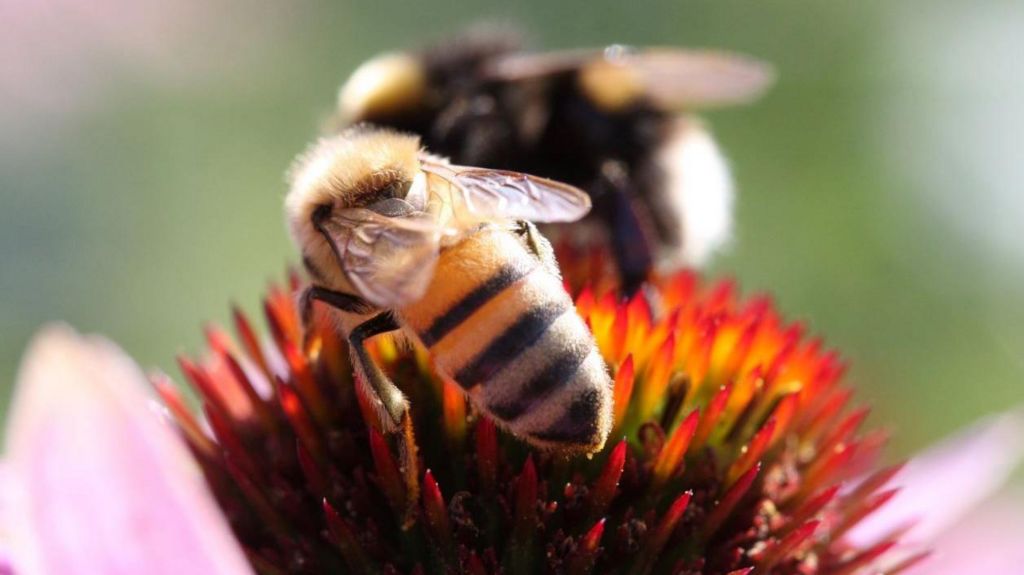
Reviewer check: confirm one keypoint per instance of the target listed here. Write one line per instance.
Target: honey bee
(615, 122)
(395, 238)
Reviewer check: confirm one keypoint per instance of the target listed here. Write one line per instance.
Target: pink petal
(989, 540)
(5, 524)
(104, 486)
(947, 481)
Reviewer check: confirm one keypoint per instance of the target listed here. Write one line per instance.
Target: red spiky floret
(734, 450)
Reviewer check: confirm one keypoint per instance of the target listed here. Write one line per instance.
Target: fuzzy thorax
(337, 172)
(383, 87)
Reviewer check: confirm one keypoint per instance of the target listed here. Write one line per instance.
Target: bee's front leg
(379, 385)
(345, 302)
(382, 388)
(397, 419)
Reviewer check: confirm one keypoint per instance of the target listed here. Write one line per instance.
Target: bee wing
(675, 79)
(466, 196)
(389, 260)
(517, 67)
(670, 78)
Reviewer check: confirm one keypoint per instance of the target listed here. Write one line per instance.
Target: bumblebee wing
(669, 78)
(472, 195)
(677, 79)
(518, 67)
(389, 260)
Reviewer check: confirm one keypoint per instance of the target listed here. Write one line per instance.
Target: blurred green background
(143, 146)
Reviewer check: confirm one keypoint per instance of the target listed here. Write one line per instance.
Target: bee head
(382, 88)
(362, 167)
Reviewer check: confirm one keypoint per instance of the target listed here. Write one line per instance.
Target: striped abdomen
(501, 325)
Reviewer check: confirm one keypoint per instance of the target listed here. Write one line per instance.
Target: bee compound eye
(321, 213)
(392, 207)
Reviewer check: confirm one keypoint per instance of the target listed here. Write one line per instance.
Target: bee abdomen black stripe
(543, 384)
(474, 300)
(506, 347)
(578, 424)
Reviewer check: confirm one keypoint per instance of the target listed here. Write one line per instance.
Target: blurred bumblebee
(613, 122)
(394, 238)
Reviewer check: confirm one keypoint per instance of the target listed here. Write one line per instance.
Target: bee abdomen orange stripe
(506, 276)
(506, 347)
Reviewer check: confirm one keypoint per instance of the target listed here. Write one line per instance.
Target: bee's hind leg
(538, 245)
(612, 194)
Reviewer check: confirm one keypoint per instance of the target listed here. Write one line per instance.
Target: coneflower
(735, 449)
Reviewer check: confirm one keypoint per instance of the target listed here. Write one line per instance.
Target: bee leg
(538, 245)
(378, 383)
(385, 391)
(398, 420)
(629, 244)
(343, 301)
